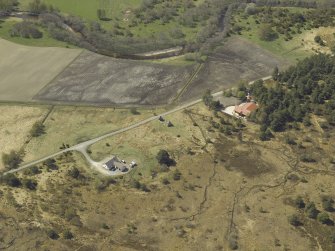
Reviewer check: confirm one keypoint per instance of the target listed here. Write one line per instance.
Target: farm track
(189, 82)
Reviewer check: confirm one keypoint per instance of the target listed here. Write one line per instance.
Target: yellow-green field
(25, 70)
(88, 8)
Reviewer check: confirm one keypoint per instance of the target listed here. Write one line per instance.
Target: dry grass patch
(15, 125)
(327, 35)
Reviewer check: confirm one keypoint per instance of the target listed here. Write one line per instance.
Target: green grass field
(45, 41)
(87, 8)
(147, 30)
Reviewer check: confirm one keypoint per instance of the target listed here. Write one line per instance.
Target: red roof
(245, 109)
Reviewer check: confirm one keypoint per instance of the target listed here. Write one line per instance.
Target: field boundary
(47, 84)
(188, 83)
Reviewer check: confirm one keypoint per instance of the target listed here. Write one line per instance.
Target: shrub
(104, 183)
(176, 175)
(33, 170)
(265, 135)
(311, 210)
(266, 33)
(52, 234)
(144, 187)
(327, 203)
(136, 184)
(67, 235)
(11, 160)
(26, 30)
(134, 111)
(233, 244)
(294, 220)
(73, 172)
(70, 213)
(299, 202)
(165, 181)
(163, 157)
(333, 238)
(37, 129)
(51, 164)
(30, 184)
(11, 180)
(324, 218)
(290, 141)
(306, 158)
(319, 40)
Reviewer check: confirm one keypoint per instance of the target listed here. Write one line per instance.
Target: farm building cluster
(241, 110)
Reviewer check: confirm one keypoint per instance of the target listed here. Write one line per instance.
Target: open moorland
(225, 191)
(25, 70)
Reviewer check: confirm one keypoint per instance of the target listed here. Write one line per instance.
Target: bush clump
(11, 160)
(26, 29)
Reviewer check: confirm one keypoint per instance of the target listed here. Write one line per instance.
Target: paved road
(82, 147)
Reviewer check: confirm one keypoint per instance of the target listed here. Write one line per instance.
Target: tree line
(208, 17)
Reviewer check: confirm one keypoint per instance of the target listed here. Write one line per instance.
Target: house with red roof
(245, 109)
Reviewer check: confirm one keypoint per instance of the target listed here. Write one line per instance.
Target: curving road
(82, 147)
